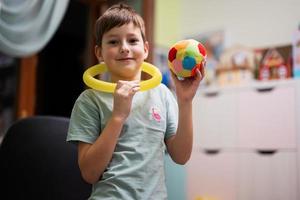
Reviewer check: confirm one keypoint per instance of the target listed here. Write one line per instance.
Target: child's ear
(146, 49)
(98, 53)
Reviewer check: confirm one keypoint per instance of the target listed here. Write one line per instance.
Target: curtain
(26, 26)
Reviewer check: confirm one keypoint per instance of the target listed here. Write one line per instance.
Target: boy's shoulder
(163, 91)
(163, 88)
(92, 92)
(91, 95)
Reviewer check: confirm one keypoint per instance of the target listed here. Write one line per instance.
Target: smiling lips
(124, 59)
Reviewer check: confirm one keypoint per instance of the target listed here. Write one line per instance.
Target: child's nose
(124, 47)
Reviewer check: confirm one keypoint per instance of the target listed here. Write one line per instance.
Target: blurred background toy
(296, 53)
(214, 42)
(273, 66)
(185, 57)
(237, 65)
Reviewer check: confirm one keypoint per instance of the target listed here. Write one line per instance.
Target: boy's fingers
(174, 76)
(135, 89)
(202, 71)
(129, 87)
(198, 74)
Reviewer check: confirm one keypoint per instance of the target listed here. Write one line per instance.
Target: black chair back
(36, 162)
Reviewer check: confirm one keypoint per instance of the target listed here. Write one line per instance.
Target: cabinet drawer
(211, 175)
(267, 118)
(265, 176)
(215, 120)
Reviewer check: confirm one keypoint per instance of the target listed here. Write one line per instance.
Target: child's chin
(130, 74)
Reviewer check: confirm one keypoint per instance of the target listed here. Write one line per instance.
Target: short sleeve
(172, 113)
(85, 119)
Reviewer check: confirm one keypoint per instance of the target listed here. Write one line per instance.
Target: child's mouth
(125, 59)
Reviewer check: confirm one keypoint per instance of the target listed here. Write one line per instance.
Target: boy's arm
(94, 158)
(180, 145)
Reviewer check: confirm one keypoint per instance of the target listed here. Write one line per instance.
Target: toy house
(273, 66)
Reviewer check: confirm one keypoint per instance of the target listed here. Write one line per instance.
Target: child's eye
(113, 42)
(133, 41)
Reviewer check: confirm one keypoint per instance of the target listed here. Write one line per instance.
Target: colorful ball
(185, 57)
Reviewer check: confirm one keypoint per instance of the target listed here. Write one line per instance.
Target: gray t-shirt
(136, 171)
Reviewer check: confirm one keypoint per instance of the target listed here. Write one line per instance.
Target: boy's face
(123, 50)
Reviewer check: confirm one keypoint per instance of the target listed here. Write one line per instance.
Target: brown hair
(117, 16)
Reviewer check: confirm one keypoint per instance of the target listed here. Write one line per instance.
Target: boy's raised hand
(124, 92)
(187, 88)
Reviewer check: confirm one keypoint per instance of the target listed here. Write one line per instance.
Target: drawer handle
(267, 89)
(266, 152)
(211, 94)
(211, 151)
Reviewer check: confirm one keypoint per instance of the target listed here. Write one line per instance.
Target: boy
(122, 136)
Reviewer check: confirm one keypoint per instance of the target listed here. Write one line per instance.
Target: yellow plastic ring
(89, 80)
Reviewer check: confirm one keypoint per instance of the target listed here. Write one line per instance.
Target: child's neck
(115, 79)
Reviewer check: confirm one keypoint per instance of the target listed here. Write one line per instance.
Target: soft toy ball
(185, 57)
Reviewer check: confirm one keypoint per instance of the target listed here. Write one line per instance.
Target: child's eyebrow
(112, 35)
(132, 34)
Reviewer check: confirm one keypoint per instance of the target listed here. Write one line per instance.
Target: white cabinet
(214, 119)
(250, 135)
(267, 117)
(267, 176)
(255, 116)
(211, 175)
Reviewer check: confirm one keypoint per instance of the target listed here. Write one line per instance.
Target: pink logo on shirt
(155, 113)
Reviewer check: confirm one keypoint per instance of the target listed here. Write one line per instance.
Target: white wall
(256, 23)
